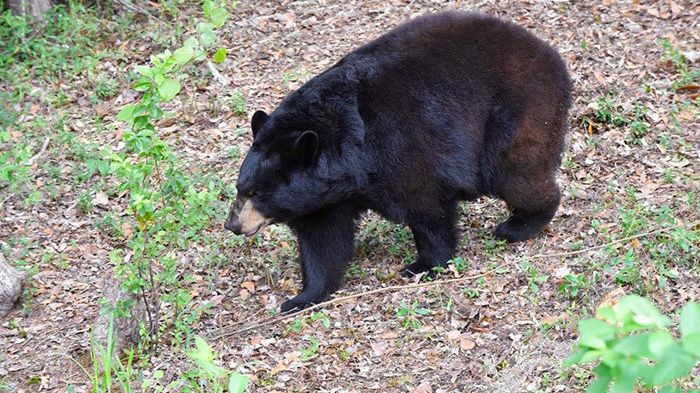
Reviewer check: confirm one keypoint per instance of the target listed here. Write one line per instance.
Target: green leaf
(218, 16)
(691, 344)
(237, 383)
(204, 355)
(624, 383)
(670, 389)
(606, 313)
(206, 33)
(192, 42)
(659, 342)
(575, 358)
(206, 7)
(611, 359)
(126, 114)
(644, 312)
(675, 363)
(637, 345)
(690, 318)
(593, 355)
(143, 84)
(601, 383)
(183, 54)
(220, 55)
(595, 333)
(168, 89)
(145, 70)
(422, 311)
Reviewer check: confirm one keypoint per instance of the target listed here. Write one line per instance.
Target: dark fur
(443, 108)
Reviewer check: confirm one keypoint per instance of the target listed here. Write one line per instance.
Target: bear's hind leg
(325, 241)
(436, 241)
(531, 211)
(525, 167)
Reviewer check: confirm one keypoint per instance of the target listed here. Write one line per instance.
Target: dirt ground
(506, 331)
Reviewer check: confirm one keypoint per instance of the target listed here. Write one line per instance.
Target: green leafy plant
(608, 111)
(409, 315)
(109, 372)
(632, 344)
(638, 124)
(686, 74)
(238, 102)
(106, 88)
(169, 208)
(573, 284)
(534, 277)
(311, 351)
(218, 379)
(459, 264)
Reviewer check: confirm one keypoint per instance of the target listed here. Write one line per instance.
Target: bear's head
(287, 173)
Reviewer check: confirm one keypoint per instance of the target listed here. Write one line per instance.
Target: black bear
(443, 108)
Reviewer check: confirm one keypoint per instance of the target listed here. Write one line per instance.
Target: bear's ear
(305, 146)
(259, 118)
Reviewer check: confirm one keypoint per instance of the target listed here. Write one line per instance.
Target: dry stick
(41, 152)
(570, 253)
(223, 333)
(353, 296)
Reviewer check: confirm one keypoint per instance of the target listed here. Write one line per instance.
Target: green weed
(238, 103)
(410, 314)
(685, 73)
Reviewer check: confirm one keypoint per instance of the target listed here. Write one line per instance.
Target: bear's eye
(251, 193)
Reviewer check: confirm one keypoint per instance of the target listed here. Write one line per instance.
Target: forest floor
(632, 166)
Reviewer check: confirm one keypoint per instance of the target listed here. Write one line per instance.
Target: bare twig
(41, 152)
(223, 333)
(585, 250)
(228, 331)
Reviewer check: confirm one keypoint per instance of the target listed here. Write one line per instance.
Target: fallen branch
(41, 152)
(223, 333)
(585, 250)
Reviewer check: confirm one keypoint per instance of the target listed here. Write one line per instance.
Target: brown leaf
(423, 388)
(101, 199)
(675, 8)
(612, 298)
(688, 88)
(103, 109)
(127, 229)
(466, 344)
(599, 77)
(249, 285)
(453, 335)
(278, 368)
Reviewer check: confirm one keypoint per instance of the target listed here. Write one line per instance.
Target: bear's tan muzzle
(245, 219)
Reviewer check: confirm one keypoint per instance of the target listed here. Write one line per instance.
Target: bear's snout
(245, 219)
(232, 224)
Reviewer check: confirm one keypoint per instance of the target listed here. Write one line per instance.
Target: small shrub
(632, 344)
(106, 88)
(238, 102)
(409, 315)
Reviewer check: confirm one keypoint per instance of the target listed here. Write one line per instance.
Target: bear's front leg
(326, 244)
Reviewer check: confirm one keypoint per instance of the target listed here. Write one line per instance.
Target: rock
(11, 281)
(125, 330)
